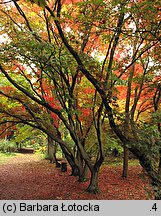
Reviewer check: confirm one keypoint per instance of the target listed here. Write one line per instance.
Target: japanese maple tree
(76, 35)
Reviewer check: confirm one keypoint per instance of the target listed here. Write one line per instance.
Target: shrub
(42, 150)
(7, 146)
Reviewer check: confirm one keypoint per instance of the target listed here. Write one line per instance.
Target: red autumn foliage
(27, 177)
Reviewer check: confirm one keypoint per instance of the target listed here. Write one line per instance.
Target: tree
(84, 32)
(148, 39)
(49, 94)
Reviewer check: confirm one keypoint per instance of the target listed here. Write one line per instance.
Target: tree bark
(70, 159)
(93, 186)
(51, 150)
(64, 166)
(157, 190)
(158, 197)
(75, 171)
(159, 168)
(83, 175)
(125, 162)
(154, 177)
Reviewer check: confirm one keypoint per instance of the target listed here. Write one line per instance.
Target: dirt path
(26, 176)
(29, 177)
(22, 158)
(20, 175)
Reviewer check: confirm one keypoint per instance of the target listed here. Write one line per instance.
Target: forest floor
(29, 177)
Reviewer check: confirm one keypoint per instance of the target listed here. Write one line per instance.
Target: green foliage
(113, 143)
(91, 144)
(156, 117)
(29, 137)
(150, 141)
(109, 143)
(42, 150)
(118, 161)
(7, 146)
(66, 136)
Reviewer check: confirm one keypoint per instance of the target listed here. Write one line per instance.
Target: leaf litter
(27, 177)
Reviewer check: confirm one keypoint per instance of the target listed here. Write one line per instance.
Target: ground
(27, 176)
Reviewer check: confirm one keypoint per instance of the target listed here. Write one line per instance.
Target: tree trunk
(125, 163)
(51, 150)
(154, 178)
(158, 197)
(159, 168)
(157, 190)
(70, 159)
(93, 186)
(64, 166)
(83, 175)
(81, 167)
(158, 194)
(75, 171)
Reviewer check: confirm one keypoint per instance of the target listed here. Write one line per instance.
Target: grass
(119, 162)
(4, 157)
